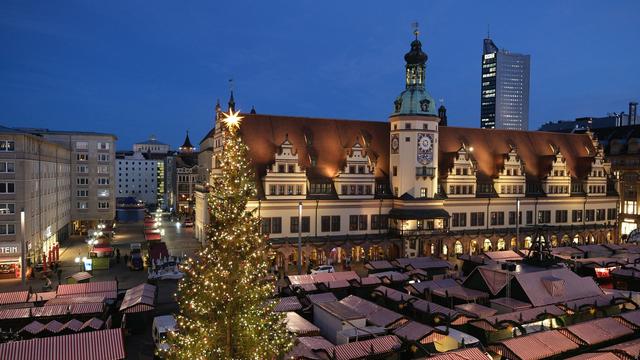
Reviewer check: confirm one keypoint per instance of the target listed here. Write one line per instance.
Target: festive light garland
(226, 305)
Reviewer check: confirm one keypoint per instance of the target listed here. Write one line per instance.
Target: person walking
(117, 256)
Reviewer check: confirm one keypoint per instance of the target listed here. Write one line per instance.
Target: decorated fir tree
(224, 298)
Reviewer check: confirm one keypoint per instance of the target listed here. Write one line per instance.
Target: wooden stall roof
(535, 346)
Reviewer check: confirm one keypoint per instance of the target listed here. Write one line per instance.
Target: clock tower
(414, 132)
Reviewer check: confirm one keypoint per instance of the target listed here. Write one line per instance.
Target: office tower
(504, 100)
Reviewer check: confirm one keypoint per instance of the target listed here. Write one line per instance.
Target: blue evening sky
(141, 67)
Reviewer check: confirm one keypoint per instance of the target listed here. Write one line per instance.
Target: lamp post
(23, 248)
(517, 223)
(300, 238)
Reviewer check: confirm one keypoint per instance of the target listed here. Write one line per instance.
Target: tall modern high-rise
(504, 101)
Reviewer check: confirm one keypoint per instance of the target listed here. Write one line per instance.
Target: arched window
(445, 250)
(473, 247)
(486, 246)
(458, 248)
(501, 244)
(527, 242)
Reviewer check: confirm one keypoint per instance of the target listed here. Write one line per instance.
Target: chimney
(632, 113)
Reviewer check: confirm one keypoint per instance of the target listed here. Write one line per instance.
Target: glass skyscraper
(504, 101)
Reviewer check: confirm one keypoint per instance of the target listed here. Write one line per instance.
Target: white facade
(137, 178)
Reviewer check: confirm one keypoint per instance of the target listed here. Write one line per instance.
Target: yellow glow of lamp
(232, 120)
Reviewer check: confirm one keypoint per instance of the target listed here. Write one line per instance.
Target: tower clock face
(425, 149)
(395, 144)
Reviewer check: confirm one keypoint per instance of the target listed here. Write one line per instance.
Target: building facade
(35, 177)
(165, 170)
(137, 177)
(92, 175)
(187, 177)
(504, 98)
(411, 187)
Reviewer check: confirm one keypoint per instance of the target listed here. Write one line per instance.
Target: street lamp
(517, 223)
(300, 238)
(23, 248)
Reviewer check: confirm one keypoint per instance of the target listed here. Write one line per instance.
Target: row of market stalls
(509, 312)
(80, 317)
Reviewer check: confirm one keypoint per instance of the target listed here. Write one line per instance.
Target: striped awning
(15, 313)
(89, 308)
(143, 294)
(106, 294)
(33, 328)
(139, 308)
(363, 349)
(51, 310)
(88, 289)
(92, 324)
(42, 296)
(54, 326)
(13, 297)
(96, 345)
(76, 300)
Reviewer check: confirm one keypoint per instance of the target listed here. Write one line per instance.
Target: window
(407, 125)
(103, 192)
(562, 216)
(7, 229)
(353, 222)
(82, 205)
(83, 169)
(590, 215)
(103, 181)
(379, 222)
(335, 223)
(529, 217)
(281, 168)
(612, 214)
(7, 187)
(104, 146)
(362, 223)
(395, 171)
(512, 217)
(497, 218)
(305, 224)
(82, 145)
(272, 190)
(7, 208)
(544, 216)
(459, 219)
(325, 223)
(82, 193)
(266, 225)
(82, 157)
(276, 225)
(103, 204)
(477, 219)
(600, 215)
(576, 215)
(291, 168)
(103, 157)
(82, 181)
(7, 167)
(7, 145)
(102, 169)
(423, 192)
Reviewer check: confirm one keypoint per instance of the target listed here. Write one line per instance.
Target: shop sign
(9, 250)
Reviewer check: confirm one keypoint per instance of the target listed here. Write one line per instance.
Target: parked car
(161, 326)
(323, 269)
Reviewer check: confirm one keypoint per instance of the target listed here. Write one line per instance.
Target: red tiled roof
(88, 289)
(50, 310)
(534, 346)
(363, 349)
(20, 313)
(329, 140)
(600, 330)
(96, 345)
(89, 308)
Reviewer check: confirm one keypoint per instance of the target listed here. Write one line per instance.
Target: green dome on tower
(415, 99)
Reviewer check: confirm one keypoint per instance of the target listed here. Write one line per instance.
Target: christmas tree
(224, 298)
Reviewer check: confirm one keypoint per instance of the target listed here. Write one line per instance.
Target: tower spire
(232, 102)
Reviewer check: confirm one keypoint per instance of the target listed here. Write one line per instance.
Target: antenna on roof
(488, 31)
(416, 30)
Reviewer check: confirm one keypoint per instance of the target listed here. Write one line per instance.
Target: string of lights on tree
(226, 311)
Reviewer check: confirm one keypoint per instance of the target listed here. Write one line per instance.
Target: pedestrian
(126, 259)
(117, 256)
(59, 273)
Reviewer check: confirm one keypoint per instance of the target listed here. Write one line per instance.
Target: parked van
(161, 326)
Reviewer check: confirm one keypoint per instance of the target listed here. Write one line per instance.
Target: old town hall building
(413, 186)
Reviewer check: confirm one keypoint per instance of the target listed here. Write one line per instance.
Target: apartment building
(35, 177)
